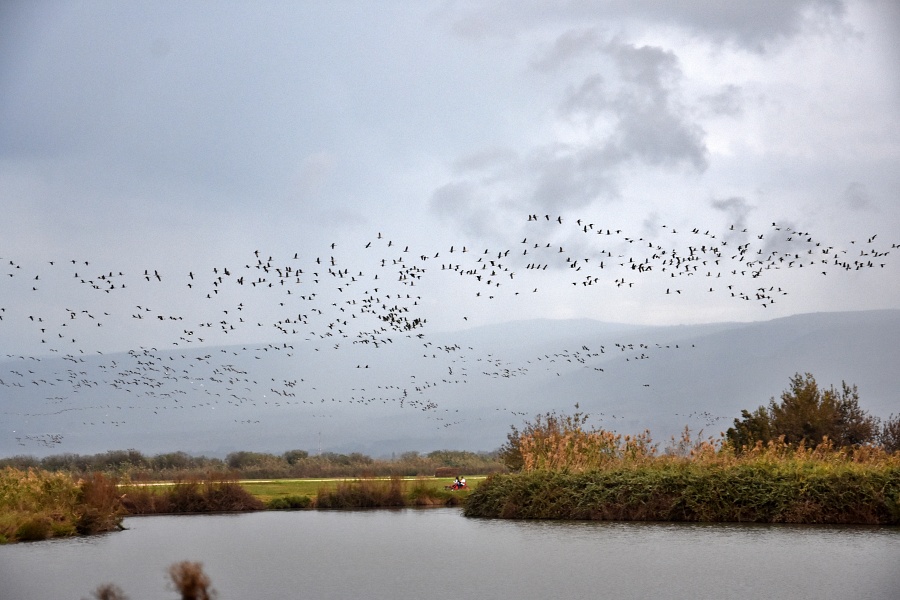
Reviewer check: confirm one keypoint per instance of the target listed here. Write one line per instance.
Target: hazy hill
(443, 390)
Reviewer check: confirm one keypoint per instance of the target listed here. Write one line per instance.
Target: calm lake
(434, 553)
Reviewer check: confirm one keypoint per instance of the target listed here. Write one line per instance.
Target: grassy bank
(668, 491)
(393, 492)
(229, 494)
(340, 493)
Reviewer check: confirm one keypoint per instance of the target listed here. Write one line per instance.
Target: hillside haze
(459, 390)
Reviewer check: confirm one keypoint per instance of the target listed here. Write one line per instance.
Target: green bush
(34, 529)
(290, 503)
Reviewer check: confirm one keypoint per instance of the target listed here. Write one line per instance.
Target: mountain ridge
(453, 390)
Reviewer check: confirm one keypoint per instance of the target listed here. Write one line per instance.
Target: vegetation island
(815, 456)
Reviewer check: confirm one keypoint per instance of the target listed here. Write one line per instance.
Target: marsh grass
(37, 505)
(215, 493)
(597, 475)
(363, 493)
(387, 493)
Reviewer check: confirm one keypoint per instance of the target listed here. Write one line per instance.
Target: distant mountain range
(456, 390)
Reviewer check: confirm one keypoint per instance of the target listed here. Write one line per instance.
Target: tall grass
(214, 493)
(36, 505)
(576, 474)
(381, 493)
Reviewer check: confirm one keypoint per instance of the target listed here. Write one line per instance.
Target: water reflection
(424, 553)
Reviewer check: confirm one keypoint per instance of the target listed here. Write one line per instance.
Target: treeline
(135, 466)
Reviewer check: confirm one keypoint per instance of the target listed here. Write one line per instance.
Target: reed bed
(214, 493)
(386, 493)
(576, 474)
(37, 505)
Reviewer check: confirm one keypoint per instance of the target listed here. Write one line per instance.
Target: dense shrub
(34, 529)
(290, 503)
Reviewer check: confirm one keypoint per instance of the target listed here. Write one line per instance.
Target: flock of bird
(345, 303)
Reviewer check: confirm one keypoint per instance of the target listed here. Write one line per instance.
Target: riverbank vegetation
(780, 472)
(215, 493)
(390, 493)
(37, 505)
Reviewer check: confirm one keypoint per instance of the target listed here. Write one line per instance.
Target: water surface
(414, 554)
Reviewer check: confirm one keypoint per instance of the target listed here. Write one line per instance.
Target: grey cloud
(757, 25)
(649, 67)
(466, 204)
(737, 209)
(754, 25)
(637, 96)
(588, 98)
(452, 198)
(571, 44)
(565, 177)
(856, 196)
(729, 101)
(650, 125)
(660, 138)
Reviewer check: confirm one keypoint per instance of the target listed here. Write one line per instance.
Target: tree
(889, 436)
(510, 453)
(292, 457)
(750, 428)
(807, 414)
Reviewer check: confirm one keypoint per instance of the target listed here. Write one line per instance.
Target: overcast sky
(182, 136)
